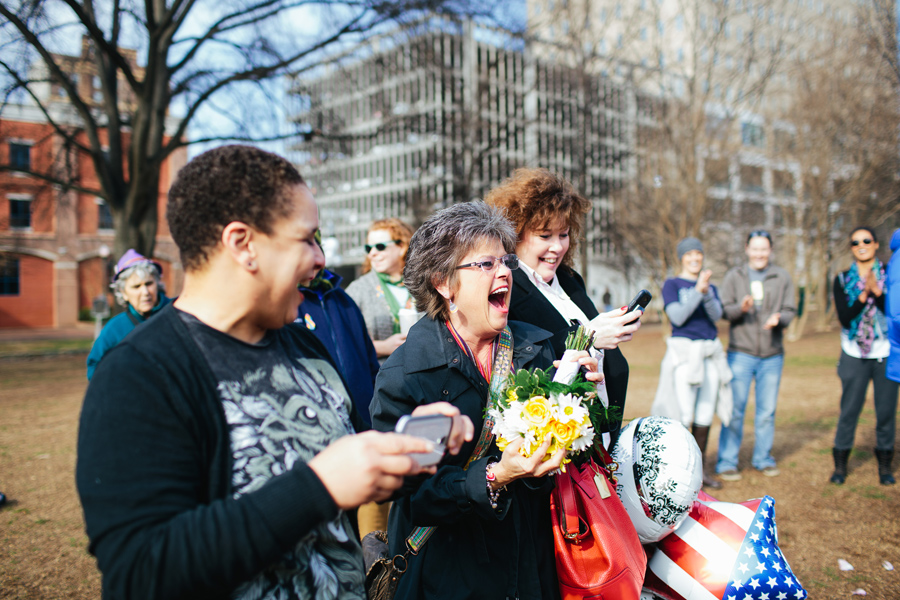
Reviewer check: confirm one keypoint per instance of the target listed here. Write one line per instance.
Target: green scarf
(390, 298)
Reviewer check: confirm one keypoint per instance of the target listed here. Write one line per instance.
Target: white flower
(568, 408)
(585, 440)
(508, 423)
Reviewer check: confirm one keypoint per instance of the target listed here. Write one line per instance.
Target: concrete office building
(414, 122)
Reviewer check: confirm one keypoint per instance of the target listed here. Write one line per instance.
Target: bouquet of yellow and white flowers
(566, 407)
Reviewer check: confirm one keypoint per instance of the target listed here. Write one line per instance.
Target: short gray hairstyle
(442, 242)
(143, 268)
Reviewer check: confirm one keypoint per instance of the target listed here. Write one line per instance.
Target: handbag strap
(502, 365)
(569, 520)
(593, 476)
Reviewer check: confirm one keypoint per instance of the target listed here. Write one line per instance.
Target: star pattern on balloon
(762, 572)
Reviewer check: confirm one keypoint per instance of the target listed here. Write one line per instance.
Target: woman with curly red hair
(547, 212)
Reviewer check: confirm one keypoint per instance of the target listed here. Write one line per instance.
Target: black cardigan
(154, 475)
(528, 304)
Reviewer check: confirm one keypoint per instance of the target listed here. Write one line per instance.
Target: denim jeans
(767, 372)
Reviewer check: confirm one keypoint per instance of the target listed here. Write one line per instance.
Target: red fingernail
(623, 308)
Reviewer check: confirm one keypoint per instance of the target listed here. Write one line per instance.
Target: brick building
(55, 240)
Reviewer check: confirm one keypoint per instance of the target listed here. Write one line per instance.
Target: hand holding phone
(434, 428)
(641, 300)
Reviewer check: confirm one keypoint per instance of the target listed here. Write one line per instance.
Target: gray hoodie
(747, 333)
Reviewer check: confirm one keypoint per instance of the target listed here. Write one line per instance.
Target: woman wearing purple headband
(136, 286)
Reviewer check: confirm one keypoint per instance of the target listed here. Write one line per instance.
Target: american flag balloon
(723, 551)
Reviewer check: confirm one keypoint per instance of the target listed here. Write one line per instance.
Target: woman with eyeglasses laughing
(489, 511)
(859, 300)
(380, 293)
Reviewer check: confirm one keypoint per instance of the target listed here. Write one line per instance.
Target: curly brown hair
(534, 198)
(399, 231)
(223, 185)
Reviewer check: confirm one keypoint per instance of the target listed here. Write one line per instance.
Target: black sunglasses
(759, 233)
(864, 242)
(511, 261)
(380, 246)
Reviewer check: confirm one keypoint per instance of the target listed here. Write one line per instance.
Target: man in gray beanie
(686, 245)
(694, 376)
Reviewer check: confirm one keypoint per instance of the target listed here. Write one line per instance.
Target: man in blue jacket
(892, 308)
(332, 315)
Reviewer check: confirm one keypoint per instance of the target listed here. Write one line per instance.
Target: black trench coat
(475, 552)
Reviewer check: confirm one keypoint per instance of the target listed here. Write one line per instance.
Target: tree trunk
(136, 224)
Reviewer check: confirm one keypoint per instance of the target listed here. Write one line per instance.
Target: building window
(104, 215)
(752, 179)
(20, 212)
(717, 172)
(20, 156)
(783, 183)
(784, 141)
(752, 135)
(9, 276)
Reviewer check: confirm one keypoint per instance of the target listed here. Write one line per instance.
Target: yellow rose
(536, 412)
(565, 433)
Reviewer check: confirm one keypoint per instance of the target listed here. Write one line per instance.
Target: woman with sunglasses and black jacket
(859, 300)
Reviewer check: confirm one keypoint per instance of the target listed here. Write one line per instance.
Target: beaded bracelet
(493, 494)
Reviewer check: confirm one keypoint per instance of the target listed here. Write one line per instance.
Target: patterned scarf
(863, 328)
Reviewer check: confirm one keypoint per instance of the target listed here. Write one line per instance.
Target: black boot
(840, 466)
(885, 457)
(701, 434)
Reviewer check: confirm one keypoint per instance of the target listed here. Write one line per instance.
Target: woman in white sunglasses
(380, 293)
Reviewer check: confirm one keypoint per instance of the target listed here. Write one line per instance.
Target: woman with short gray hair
(490, 510)
(441, 244)
(137, 287)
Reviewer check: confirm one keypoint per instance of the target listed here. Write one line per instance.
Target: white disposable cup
(408, 318)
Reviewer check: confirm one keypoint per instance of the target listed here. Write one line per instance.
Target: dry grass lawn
(43, 555)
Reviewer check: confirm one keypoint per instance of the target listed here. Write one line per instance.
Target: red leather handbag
(598, 552)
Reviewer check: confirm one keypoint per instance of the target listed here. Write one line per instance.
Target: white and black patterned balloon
(659, 474)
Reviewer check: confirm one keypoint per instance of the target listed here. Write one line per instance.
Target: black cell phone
(642, 299)
(434, 428)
